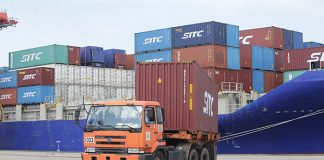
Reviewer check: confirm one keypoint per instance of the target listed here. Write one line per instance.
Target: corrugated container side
(74, 55)
(8, 96)
(269, 81)
(87, 54)
(268, 59)
(35, 94)
(298, 40)
(153, 40)
(233, 58)
(198, 34)
(257, 58)
(205, 56)
(292, 74)
(245, 56)
(278, 79)
(120, 60)
(258, 81)
(130, 62)
(245, 77)
(36, 76)
(38, 56)
(108, 57)
(8, 79)
(311, 44)
(160, 56)
(271, 37)
(232, 35)
(288, 39)
(300, 59)
(187, 94)
(278, 60)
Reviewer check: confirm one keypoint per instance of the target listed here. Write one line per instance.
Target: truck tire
(193, 155)
(158, 156)
(204, 154)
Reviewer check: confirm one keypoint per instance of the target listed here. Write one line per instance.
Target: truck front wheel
(204, 154)
(158, 156)
(193, 155)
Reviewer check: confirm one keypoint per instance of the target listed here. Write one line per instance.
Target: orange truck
(173, 118)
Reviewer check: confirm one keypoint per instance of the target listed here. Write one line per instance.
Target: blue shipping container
(288, 39)
(268, 59)
(258, 81)
(233, 58)
(4, 69)
(91, 54)
(8, 79)
(232, 35)
(257, 57)
(298, 40)
(35, 94)
(153, 40)
(161, 56)
(110, 57)
(312, 44)
(197, 34)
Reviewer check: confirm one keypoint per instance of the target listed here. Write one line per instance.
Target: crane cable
(240, 134)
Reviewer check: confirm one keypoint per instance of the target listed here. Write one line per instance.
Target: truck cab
(123, 130)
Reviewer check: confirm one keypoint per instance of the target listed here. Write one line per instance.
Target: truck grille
(111, 150)
(114, 143)
(111, 140)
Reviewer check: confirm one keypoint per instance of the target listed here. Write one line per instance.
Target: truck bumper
(88, 156)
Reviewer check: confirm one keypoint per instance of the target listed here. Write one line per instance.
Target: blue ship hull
(287, 120)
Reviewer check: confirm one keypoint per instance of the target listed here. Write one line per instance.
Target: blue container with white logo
(110, 57)
(288, 39)
(257, 57)
(91, 54)
(35, 94)
(199, 34)
(233, 58)
(268, 59)
(298, 40)
(8, 79)
(258, 81)
(153, 40)
(312, 44)
(161, 56)
(232, 35)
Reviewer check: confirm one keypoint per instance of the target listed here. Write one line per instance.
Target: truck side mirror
(163, 114)
(77, 115)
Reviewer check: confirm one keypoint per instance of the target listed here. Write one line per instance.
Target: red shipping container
(245, 77)
(278, 79)
(278, 60)
(74, 55)
(271, 37)
(269, 81)
(36, 76)
(221, 75)
(120, 60)
(130, 62)
(301, 59)
(184, 90)
(246, 56)
(8, 96)
(205, 56)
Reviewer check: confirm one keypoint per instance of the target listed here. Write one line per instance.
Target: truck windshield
(114, 118)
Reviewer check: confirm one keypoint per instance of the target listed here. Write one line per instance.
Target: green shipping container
(52, 54)
(292, 74)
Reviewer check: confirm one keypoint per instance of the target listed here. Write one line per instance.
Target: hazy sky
(112, 23)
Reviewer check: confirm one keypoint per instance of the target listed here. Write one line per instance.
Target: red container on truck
(271, 37)
(74, 55)
(205, 56)
(8, 96)
(36, 76)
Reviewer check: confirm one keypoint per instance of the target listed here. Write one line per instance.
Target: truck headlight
(90, 150)
(135, 150)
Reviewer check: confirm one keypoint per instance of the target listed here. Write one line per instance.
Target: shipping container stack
(262, 55)
(44, 79)
(213, 45)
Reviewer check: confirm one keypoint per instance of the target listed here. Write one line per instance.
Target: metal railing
(231, 86)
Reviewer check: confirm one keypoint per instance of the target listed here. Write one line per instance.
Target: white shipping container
(102, 76)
